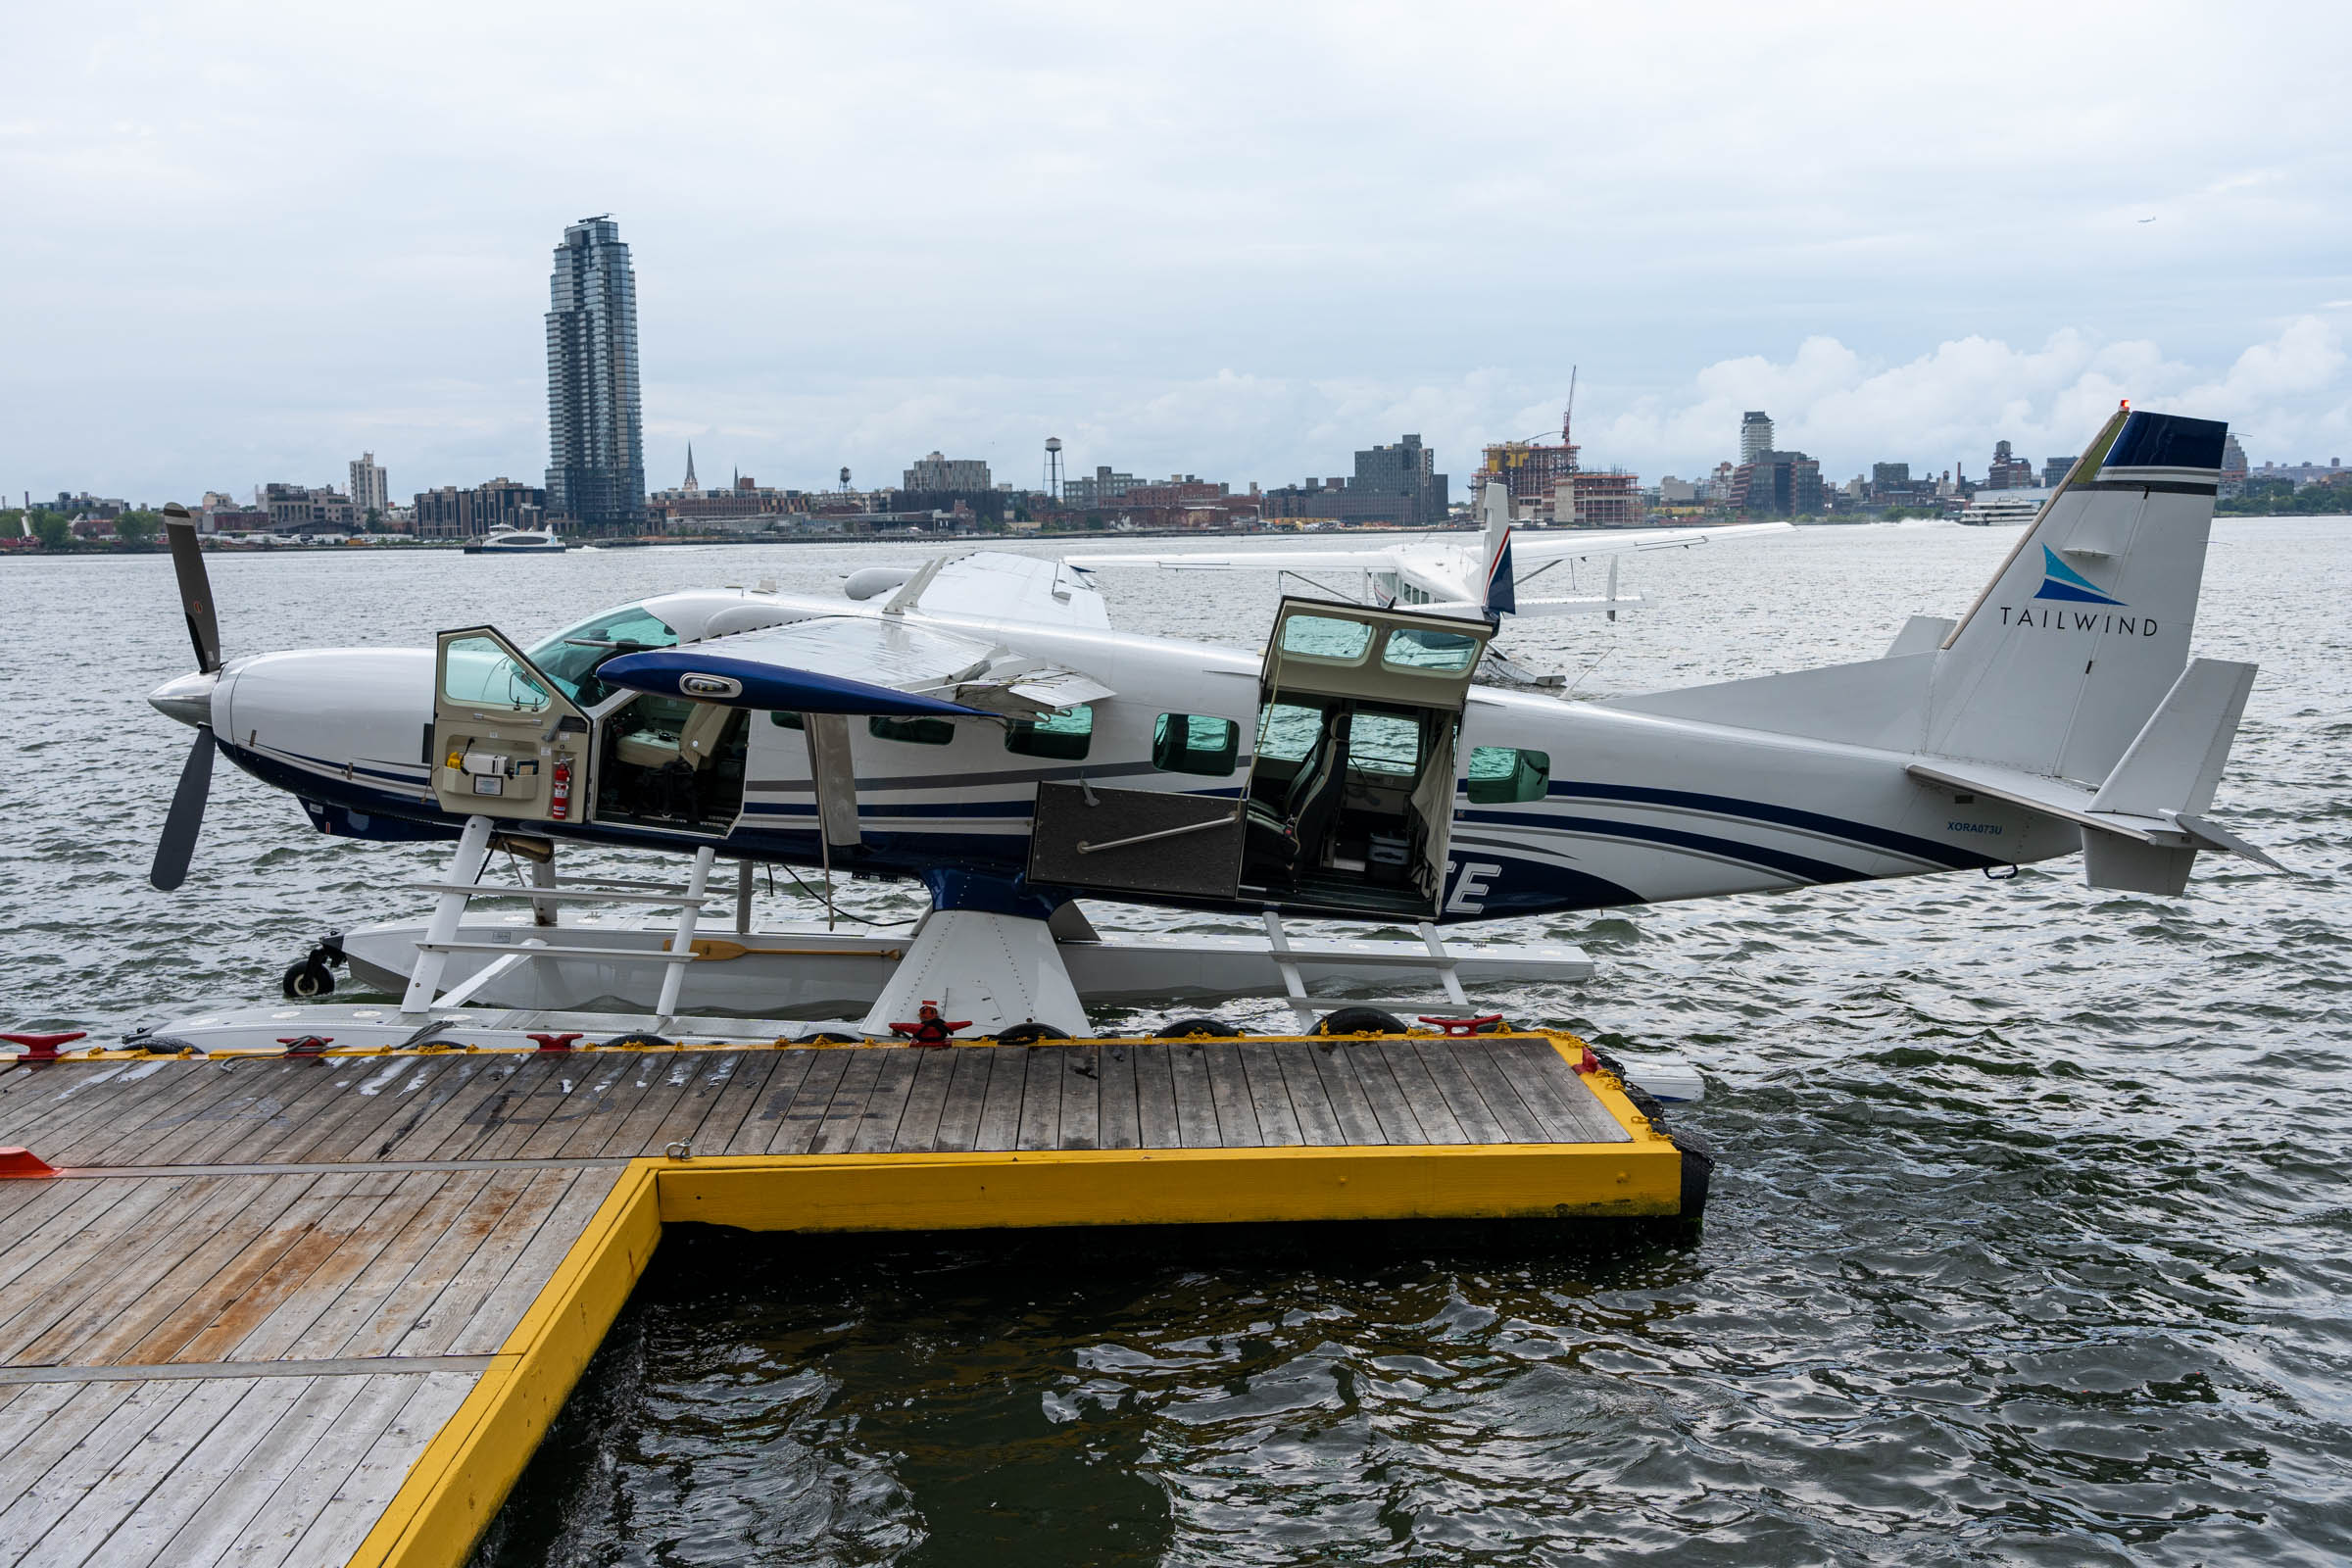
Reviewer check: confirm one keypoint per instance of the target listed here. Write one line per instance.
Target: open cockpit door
(508, 743)
(1350, 798)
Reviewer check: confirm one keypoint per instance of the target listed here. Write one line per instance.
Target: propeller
(195, 588)
(178, 846)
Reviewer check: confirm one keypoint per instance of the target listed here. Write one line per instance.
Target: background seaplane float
(976, 724)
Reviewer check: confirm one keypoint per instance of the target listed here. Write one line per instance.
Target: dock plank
(244, 1495)
(750, 1111)
(1478, 1121)
(106, 1246)
(1000, 1112)
(1196, 1098)
(510, 1232)
(1040, 1099)
(535, 1263)
(1278, 1121)
(72, 1473)
(50, 1421)
(142, 1534)
(411, 1302)
(1081, 1096)
(599, 1097)
(313, 1477)
(672, 1084)
(368, 1295)
(1418, 1091)
(1310, 1103)
(886, 1103)
(805, 1117)
(838, 1129)
(1558, 1094)
(926, 1102)
(1229, 1087)
(1485, 1072)
(1369, 1067)
(1343, 1092)
(122, 1492)
(1118, 1126)
(352, 1509)
(1156, 1121)
(961, 1113)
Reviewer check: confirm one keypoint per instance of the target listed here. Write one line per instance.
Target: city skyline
(1142, 236)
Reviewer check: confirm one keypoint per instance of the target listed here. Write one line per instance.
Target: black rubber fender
(639, 1037)
(828, 1037)
(1698, 1172)
(1029, 1034)
(1198, 1029)
(1361, 1021)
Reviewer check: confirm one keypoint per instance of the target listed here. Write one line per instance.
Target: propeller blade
(178, 846)
(195, 588)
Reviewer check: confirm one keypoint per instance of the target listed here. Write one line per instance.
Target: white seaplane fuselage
(1637, 808)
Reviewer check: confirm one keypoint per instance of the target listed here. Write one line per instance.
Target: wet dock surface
(259, 1289)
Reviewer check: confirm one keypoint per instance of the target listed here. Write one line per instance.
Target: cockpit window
(570, 656)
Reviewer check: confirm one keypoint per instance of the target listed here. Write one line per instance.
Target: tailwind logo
(2060, 581)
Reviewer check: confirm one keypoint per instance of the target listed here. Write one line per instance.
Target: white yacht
(517, 542)
(2003, 508)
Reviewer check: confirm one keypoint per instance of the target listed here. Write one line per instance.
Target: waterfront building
(2055, 470)
(370, 486)
(1755, 434)
(935, 472)
(304, 509)
(595, 416)
(2234, 467)
(2008, 472)
(1777, 484)
(450, 513)
(1397, 483)
(1100, 489)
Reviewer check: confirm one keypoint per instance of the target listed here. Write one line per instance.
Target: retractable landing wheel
(315, 977)
(1200, 1029)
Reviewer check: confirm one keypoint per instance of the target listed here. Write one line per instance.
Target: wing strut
(836, 784)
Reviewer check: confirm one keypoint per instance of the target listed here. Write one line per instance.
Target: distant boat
(517, 542)
(1996, 509)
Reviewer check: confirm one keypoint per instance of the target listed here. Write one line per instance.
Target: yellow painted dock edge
(456, 1487)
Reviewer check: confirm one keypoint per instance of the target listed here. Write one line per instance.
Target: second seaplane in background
(979, 727)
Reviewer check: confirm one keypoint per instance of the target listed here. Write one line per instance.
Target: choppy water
(2030, 1243)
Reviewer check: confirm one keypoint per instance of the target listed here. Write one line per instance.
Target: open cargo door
(1351, 781)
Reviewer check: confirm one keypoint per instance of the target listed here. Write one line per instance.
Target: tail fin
(1502, 595)
(2066, 653)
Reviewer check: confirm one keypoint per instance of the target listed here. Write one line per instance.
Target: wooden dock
(275, 1310)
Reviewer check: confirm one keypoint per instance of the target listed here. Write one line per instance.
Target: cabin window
(786, 720)
(1064, 736)
(1383, 743)
(1421, 649)
(1195, 743)
(1287, 732)
(1505, 775)
(1325, 637)
(479, 672)
(912, 731)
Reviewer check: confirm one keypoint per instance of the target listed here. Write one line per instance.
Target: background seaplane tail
(2067, 688)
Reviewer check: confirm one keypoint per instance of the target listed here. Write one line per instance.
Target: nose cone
(187, 698)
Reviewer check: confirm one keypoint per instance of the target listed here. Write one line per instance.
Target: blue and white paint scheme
(984, 729)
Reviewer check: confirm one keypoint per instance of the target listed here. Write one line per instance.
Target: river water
(2031, 1238)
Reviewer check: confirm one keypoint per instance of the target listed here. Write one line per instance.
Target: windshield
(569, 658)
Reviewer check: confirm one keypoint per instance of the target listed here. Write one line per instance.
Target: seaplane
(1487, 573)
(975, 724)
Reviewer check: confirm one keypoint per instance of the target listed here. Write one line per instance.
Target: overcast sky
(245, 242)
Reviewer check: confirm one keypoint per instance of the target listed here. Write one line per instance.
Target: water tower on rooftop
(1054, 467)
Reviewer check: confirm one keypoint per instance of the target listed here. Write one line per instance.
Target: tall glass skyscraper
(595, 419)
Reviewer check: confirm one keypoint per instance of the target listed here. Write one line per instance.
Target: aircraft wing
(1003, 586)
(1535, 545)
(857, 664)
(1244, 559)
